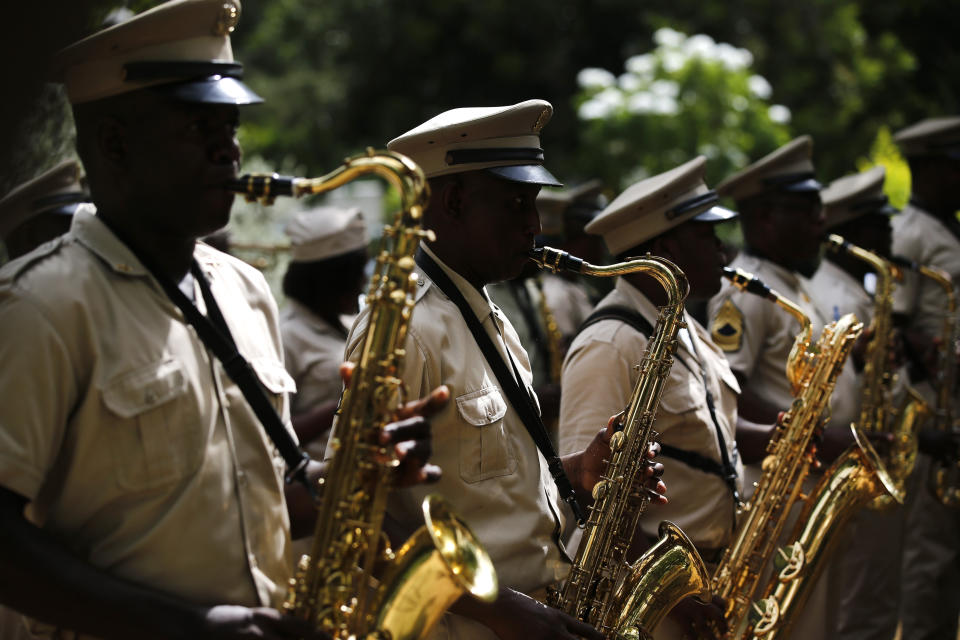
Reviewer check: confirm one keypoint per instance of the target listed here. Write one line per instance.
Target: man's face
(871, 232)
(499, 221)
(181, 157)
(695, 248)
(796, 228)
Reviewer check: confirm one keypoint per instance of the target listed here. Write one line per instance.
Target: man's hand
(518, 617)
(700, 620)
(230, 622)
(587, 467)
(410, 436)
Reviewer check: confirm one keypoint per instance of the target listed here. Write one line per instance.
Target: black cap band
(149, 70)
(703, 200)
(532, 155)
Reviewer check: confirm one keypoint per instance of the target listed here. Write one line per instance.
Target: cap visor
(529, 173)
(716, 214)
(212, 90)
(803, 186)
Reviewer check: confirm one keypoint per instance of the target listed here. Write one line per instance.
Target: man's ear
(112, 140)
(451, 195)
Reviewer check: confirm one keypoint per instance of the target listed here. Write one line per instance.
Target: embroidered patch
(727, 328)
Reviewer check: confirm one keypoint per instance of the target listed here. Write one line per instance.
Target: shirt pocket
(154, 425)
(485, 449)
(275, 379)
(682, 396)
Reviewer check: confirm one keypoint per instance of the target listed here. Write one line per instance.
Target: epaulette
(18, 266)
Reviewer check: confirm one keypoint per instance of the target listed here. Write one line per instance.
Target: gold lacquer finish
(334, 585)
(812, 371)
(620, 598)
(944, 477)
(878, 413)
(851, 482)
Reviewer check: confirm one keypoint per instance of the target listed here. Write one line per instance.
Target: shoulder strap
(628, 316)
(518, 397)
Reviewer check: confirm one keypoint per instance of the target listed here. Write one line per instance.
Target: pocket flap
(482, 407)
(273, 376)
(142, 389)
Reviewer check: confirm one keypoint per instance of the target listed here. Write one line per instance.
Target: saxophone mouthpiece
(264, 187)
(748, 282)
(906, 263)
(555, 260)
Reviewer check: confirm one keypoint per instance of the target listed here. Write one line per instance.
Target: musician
(671, 215)
(865, 573)
(40, 209)
(139, 495)
(782, 220)
(928, 232)
(323, 282)
(485, 167)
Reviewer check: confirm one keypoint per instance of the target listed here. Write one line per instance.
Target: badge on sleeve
(727, 328)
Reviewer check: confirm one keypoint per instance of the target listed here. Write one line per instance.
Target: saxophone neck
(669, 275)
(750, 283)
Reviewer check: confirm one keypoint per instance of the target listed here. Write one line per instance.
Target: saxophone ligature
(878, 410)
(812, 369)
(625, 599)
(334, 586)
(944, 479)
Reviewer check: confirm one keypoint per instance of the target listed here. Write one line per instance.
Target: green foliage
(896, 183)
(689, 96)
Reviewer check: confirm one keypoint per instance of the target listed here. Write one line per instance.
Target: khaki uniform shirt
(756, 334)
(919, 236)
(836, 293)
(493, 475)
(599, 376)
(313, 353)
(129, 441)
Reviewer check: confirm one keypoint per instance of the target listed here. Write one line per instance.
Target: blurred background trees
(636, 87)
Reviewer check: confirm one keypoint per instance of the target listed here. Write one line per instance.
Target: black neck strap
(215, 335)
(510, 383)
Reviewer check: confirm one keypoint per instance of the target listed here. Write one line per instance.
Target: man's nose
(225, 148)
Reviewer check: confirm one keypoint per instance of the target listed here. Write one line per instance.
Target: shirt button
(421, 282)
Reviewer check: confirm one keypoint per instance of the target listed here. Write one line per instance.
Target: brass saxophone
(333, 585)
(855, 479)
(620, 599)
(812, 372)
(877, 411)
(944, 480)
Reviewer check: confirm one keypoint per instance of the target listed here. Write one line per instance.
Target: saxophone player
(671, 215)
(485, 168)
(928, 233)
(865, 577)
(781, 216)
(140, 497)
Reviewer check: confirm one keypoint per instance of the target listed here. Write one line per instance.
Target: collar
(479, 301)
(92, 233)
(648, 310)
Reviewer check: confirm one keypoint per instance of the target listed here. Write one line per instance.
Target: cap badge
(542, 120)
(727, 327)
(227, 20)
